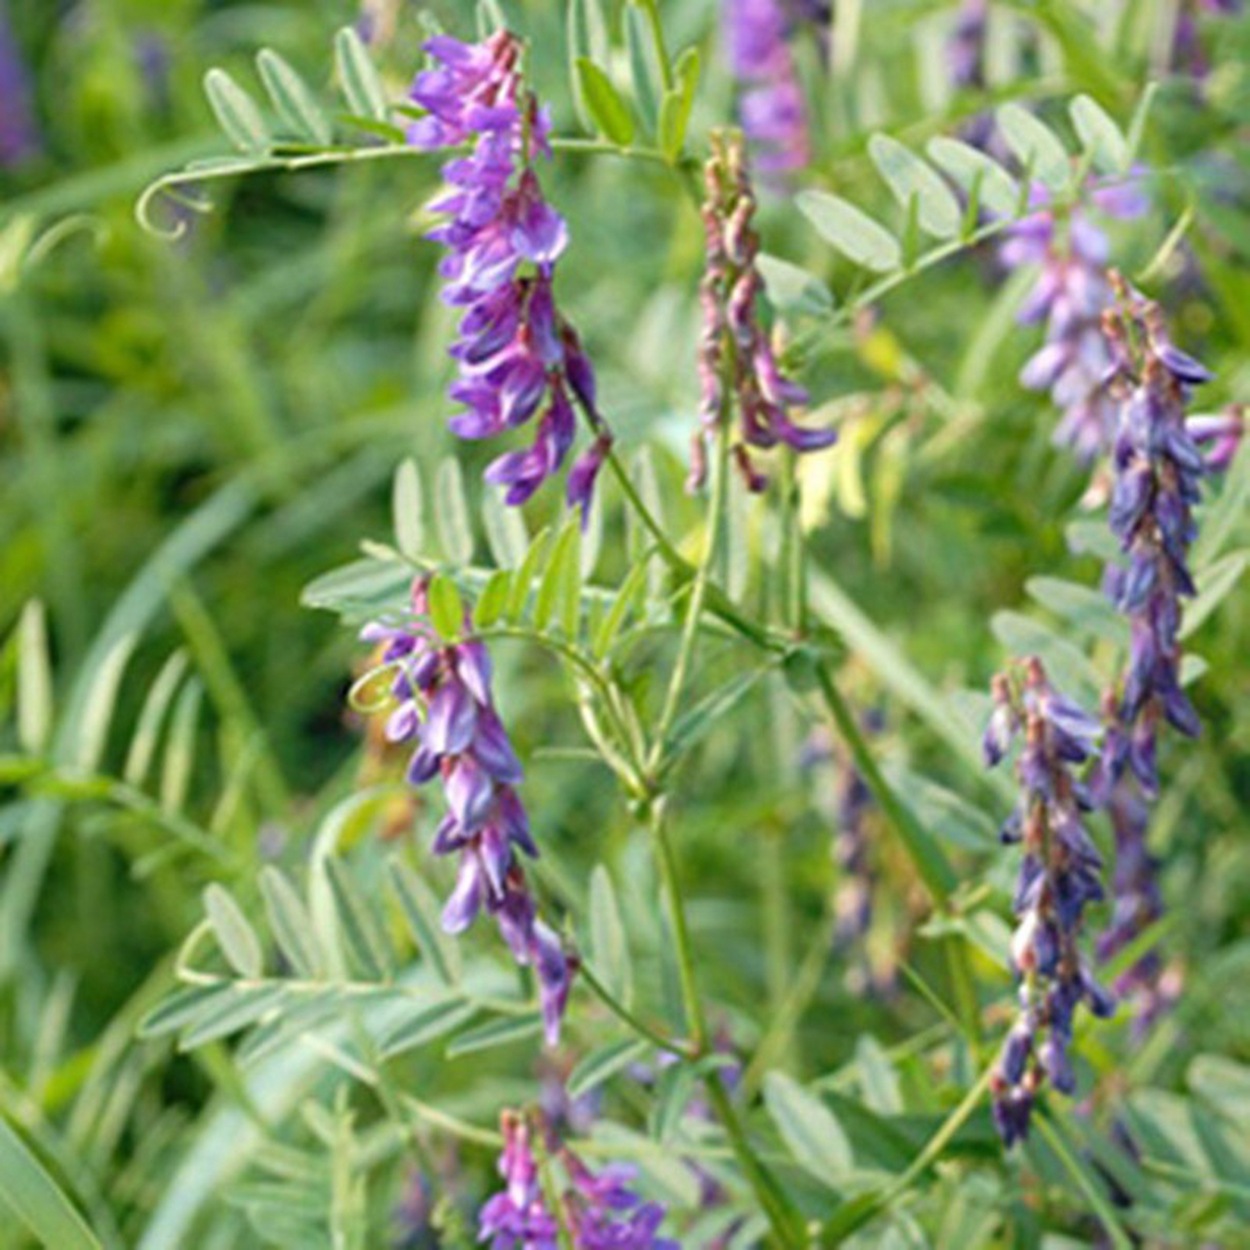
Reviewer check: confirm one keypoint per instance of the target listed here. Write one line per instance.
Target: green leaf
(970, 168)
(791, 288)
(644, 68)
(526, 574)
(852, 232)
(631, 595)
(1101, 138)
(498, 1033)
(506, 534)
(878, 1080)
(34, 679)
(290, 922)
(421, 911)
(234, 933)
(563, 566)
(292, 99)
(609, 942)
(1223, 1084)
(608, 111)
(179, 761)
(359, 77)
(426, 1024)
(1215, 583)
(363, 935)
(1085, 608)
(97, 708)
(493, 601)
(455, 530)
(693, 724)
(603, 1063)
(1137, 126)
(911, 179)
(180, 1008)
(151, 717)
(809, 1129)
(236, 113)
(241, 1008)
(586, 31)
(28, 1190)
(446, 607)
(408, 511)
(1036, 146)
(678, 103)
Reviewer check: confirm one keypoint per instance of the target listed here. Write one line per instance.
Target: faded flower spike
(1059, 877)
(443, 704)
(772, 109)
(518, 358)
(597, 1210)
(737, 365)
(1070, 294)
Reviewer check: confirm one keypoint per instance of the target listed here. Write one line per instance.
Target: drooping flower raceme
(1070, 295)
(737, 365)
(19, 135)
(1059, 877)
(518, 358)
(598, 1209)
(772, 108)
(444, 706)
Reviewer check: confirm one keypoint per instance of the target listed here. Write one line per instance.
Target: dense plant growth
(622, 624)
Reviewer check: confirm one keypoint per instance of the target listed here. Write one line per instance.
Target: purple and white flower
(598, 1210)
(772, 108)
(519, 361)
(443, 706)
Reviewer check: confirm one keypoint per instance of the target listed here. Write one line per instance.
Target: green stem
(780, 1212)
(1085, 1183)
(698, 601)
(623, 1013)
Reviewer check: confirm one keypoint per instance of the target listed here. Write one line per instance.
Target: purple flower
(19, 134)
(1070, 294)
(598, 1209)
(733, 340)
(1060, 874)
(773, 110)
(1189, 55)
(519, 361)
(965, 49)
(444, 707)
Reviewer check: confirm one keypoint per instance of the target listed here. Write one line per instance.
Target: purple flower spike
(773, 110)
(446, 710)
(1060, 873)
(1071, 293)
(599, 1210)
(733, 338)
(519, 361)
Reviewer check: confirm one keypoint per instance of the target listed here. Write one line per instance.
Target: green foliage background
(192, 431)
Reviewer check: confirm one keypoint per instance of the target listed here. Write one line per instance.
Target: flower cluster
(1158, 468)
(19, 136)
(772, 109)
(598, 1208)
(516, 355)
(1070, 295)
(736, 359)
(443, 704)
(1059, 877)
